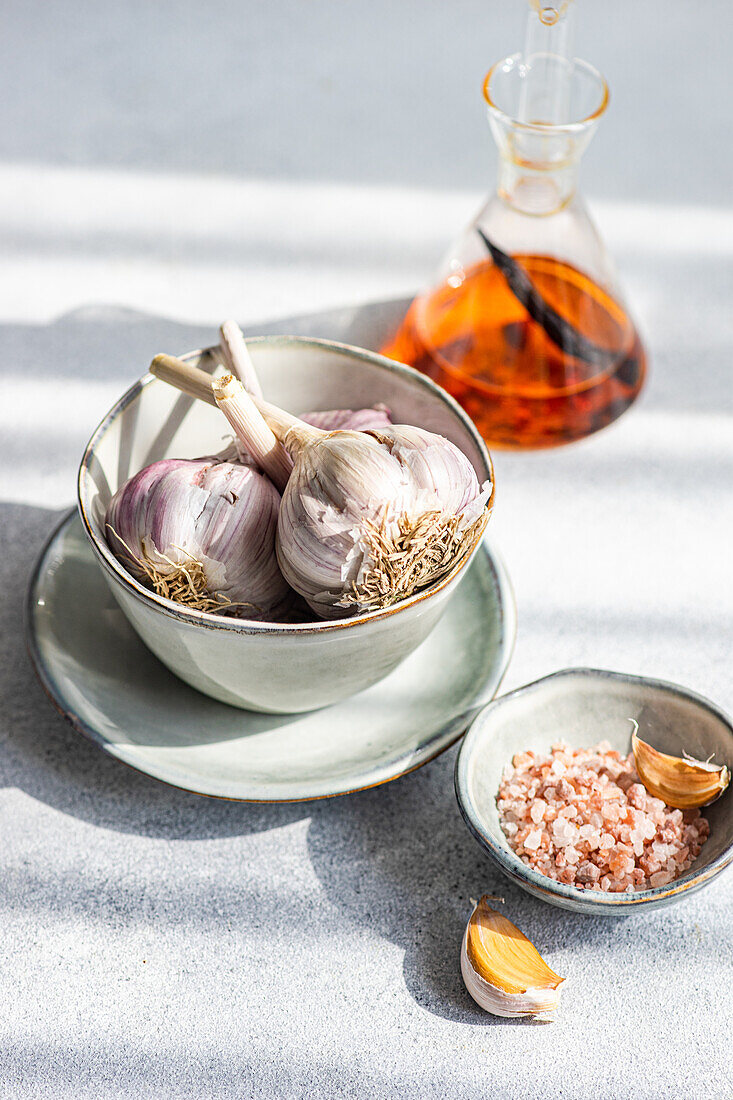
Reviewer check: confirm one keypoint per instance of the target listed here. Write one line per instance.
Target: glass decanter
(525, 325)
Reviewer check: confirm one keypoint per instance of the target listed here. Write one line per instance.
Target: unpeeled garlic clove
(679, 781)
(505, 973)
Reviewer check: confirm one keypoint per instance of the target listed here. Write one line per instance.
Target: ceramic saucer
(112, 689)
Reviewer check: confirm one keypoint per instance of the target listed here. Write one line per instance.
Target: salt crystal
(588, 872)
(537, 810)
(565, 790)
(533, 840)
(520, 759)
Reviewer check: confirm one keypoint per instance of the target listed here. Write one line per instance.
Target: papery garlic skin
(220, 515)
(439, 467)
(533, 1002)
(355, 420)
(351, 491)
(503, 971)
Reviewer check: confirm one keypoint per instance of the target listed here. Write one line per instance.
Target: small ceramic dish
(584, 706)
(269, 667)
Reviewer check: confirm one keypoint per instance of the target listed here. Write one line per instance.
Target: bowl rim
(540, 884)
(210, 621)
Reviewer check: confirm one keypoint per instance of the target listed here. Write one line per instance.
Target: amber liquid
(522, 390)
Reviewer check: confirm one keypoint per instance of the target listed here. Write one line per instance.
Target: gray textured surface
(157, 945)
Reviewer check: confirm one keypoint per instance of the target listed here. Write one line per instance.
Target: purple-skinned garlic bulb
(201, 532)
(354, 420)
(366, 517)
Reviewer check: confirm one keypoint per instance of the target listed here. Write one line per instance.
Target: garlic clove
(679, 781)
(503, 971)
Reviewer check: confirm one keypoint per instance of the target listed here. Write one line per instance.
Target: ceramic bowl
(273, 668)
(584, 706)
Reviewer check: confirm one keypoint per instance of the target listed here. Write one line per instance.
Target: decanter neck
(542, 116)
(537, 190)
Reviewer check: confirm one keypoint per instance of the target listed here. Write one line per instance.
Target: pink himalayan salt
(581, 816)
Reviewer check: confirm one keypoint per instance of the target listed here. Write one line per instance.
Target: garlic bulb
(355, 420)
(202, 532)
(681, 782)
(366, 518)
(505, 973)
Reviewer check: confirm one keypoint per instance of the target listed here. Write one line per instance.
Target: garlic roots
(681, 782)
(202, 533)
(505, 973)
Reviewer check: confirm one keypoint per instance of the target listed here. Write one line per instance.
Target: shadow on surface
(41, 755)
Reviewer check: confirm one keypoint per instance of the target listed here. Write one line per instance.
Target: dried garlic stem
(291, 431)
(184, 376)
(503, 971)
(251, 429)
(681, 782)
(237, 359)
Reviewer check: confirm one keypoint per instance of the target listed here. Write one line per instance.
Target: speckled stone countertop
(155, 944)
